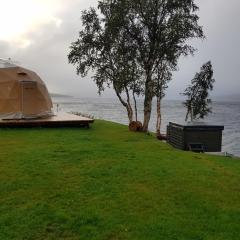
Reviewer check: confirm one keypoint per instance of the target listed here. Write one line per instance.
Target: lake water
(224, 113)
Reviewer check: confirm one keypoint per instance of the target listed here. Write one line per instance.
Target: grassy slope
(108, 183)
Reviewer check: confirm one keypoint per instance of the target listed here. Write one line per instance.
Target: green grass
(108, 183)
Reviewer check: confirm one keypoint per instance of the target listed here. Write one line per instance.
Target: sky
(37, 35)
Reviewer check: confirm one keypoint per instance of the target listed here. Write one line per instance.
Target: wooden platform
(60, 120)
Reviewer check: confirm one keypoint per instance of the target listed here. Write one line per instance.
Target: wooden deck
(59, 120)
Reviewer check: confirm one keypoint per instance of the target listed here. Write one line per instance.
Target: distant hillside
(227, 98)
(60, 95)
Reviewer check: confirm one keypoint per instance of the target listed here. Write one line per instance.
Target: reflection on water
(224, 113)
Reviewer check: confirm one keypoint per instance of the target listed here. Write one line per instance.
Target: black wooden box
(195, 134)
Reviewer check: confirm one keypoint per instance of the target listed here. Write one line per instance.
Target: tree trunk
(129, 106)
(148, 101)
(130, 113)
(159, 116)
(135, 106)
(126, 105)
(186, 118)
(191, 112)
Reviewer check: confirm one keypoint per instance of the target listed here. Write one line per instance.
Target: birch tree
(198, 101)
(140, 34)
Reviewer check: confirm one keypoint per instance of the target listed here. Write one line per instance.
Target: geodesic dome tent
(23, 95)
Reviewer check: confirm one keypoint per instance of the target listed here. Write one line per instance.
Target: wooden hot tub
(197, 137)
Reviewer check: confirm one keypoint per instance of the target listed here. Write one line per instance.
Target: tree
(104, 49)
(197, 93)
(159, 29)
(163, 76)
(134, 36)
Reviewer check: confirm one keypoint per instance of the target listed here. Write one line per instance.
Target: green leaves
(124, 42)
(197, 93)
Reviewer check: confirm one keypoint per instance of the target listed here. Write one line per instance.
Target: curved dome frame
(23, 95)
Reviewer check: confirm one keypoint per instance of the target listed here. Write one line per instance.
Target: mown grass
(108, 183)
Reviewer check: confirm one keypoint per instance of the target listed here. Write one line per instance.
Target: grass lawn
(108, 183)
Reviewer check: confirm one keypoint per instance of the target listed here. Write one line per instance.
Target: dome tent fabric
(23, 95)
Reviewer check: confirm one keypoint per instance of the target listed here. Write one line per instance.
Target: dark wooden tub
(197, 137)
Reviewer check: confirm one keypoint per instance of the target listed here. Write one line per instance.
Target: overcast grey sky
(40, 41)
